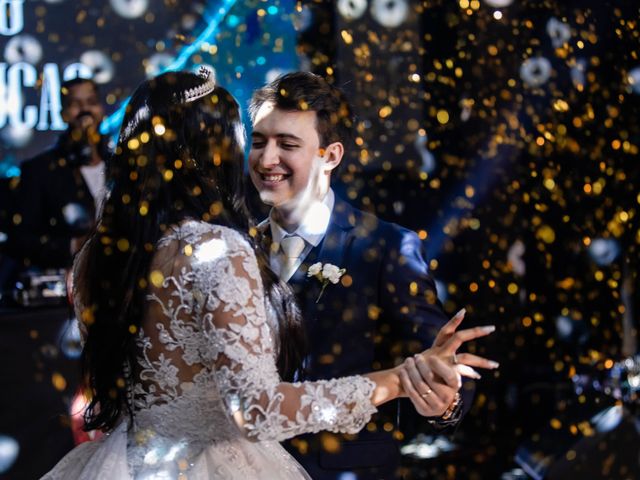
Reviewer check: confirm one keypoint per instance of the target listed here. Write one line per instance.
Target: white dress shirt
(94, 178)
(312, 230)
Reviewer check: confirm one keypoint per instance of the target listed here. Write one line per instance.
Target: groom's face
(285, 159)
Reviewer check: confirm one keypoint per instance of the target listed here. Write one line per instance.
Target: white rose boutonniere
(325, 273)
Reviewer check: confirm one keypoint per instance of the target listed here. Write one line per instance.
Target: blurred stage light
(427, 446)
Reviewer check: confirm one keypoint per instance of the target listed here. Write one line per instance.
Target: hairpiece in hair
(141, 114)
(201, 90)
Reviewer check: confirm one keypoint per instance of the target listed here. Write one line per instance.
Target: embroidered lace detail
(206, 370)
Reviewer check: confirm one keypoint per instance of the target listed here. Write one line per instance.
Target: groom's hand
(432, 378)
(430, 383)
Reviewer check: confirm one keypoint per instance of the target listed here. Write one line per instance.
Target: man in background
(60, 190)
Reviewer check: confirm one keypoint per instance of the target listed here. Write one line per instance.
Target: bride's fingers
(416, 378)
(445, 371)
(449, 328)
(467, 371)
(419, 401)
(458, 338)
(435, 393)
(475, 361)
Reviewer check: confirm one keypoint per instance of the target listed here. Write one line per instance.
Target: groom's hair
(305, 91)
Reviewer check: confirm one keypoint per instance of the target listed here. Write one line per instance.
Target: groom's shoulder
(368, 225)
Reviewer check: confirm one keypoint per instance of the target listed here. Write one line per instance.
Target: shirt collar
(314, 224)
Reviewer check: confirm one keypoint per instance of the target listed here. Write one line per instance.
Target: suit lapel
(332, 249)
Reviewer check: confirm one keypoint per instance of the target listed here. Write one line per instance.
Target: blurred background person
(60, 190)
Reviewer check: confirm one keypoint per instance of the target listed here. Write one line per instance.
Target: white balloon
(302, 19)
(390, 13)
(274, 73)
(76, 70)
(189, 21)
(428, 160)
(23, 48)
(603, 251)
(514, 256)
(101, 66)
(499, 3)
(130, 8)
(352, 9)
(564, 326)
(9, 449)
(634, 80)
(16, 136)
(578, 72)
(157, 63)
(559, 32)
(535, 71)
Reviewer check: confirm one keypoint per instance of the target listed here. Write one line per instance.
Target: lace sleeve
(229, 294)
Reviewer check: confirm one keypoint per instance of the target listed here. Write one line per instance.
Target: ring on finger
(426, 394)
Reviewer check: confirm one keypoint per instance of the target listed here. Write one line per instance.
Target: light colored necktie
(292, 247)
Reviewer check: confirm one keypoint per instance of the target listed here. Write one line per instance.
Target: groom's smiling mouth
(273, 178)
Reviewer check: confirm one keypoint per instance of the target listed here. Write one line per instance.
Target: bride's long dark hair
(180, 155)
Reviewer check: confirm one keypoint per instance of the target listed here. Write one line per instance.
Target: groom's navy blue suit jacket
(384, 308)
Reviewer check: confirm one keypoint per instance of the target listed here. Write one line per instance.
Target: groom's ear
(332, 156)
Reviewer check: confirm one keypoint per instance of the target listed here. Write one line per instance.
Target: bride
(187, 330)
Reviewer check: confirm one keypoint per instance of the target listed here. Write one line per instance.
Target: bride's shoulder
(198, 232)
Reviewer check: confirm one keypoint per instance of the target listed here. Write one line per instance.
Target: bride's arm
(240, 337)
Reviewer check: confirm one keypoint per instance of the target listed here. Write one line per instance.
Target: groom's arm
(408, 292)
(411, 309)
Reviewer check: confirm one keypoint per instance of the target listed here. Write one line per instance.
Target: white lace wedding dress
(207, 400)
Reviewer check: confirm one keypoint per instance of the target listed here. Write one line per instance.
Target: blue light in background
(233, 21)
(112, 123)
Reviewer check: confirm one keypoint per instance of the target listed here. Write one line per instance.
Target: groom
(382, 308)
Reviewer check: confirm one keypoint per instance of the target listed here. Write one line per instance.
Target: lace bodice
(206, 370)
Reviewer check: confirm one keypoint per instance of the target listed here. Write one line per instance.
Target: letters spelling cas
(16, 77)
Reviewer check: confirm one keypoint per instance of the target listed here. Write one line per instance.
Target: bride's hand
(432, 378)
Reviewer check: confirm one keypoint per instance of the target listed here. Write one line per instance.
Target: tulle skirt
(107, 459)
